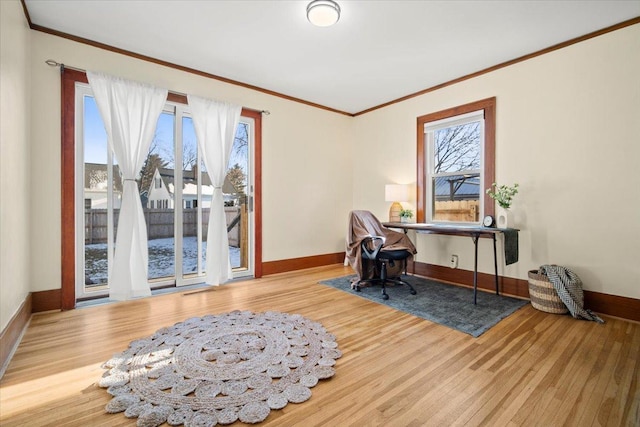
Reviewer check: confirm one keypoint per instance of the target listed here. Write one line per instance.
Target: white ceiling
(379, 50)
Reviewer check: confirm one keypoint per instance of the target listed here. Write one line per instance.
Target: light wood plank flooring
(531, 369)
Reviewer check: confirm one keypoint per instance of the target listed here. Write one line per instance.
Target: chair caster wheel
(413, 292)
(385, 296)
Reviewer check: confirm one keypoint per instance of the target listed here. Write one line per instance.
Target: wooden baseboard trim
(506, 285)
(52, 299)
(47, 300)
(11, 335)
(282, 266)
(613, 305)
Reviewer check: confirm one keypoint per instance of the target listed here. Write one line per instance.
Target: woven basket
(543, 295)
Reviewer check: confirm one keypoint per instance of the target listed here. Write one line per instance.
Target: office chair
(376, 253)
(372, 250)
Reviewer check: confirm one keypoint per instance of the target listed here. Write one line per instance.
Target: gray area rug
(447, 305)
(218, 369)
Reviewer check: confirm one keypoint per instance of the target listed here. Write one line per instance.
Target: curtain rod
(52, 63)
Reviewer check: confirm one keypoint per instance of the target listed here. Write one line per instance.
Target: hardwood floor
(532, 368)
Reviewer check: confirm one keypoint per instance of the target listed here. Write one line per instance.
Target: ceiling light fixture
(323, 13)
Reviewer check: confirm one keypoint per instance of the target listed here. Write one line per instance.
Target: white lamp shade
(323, 13)
(396, 193)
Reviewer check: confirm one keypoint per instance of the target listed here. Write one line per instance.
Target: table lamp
(396, 193)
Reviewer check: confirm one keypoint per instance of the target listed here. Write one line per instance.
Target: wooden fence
(159, 224)
(457, 210)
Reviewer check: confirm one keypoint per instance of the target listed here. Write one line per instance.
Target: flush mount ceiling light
(323, 13)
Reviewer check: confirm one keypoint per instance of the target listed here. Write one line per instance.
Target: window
(91, 172)
(456, 150)
(453, 159)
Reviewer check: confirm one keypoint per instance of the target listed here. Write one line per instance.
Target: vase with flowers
(503, 194)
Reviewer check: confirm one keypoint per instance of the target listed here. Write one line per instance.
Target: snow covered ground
(161, 259)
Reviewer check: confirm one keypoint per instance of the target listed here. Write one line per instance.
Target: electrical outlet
(453, 262)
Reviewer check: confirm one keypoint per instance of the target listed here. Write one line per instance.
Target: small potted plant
(503, 194)
(406, 215)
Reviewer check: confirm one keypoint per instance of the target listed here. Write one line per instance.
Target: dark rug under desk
(441, 303)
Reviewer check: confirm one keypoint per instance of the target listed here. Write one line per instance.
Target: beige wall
(15, 165)
(568, 131)
(306, 175)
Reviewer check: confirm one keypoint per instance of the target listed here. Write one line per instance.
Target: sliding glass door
(175, 192)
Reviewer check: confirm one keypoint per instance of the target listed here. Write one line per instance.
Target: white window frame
(429, 130)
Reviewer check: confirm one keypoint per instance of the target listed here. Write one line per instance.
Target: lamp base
(394, 212)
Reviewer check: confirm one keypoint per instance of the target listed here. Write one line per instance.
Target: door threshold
(155, 292)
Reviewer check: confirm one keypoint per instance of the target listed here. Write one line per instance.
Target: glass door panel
(197, 194)
(98, 209)
(237, 198)
(157, 193)
(192, 253)
(205, 194)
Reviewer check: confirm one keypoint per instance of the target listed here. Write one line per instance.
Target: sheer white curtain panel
(130, 112)
(215, 125)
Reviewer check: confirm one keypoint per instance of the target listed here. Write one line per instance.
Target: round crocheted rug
(218, 369)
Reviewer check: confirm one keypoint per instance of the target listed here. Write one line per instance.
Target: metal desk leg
(495, 263)
(475, 268)
(406, 261)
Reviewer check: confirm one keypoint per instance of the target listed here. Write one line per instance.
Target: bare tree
(98, 179)
(457, 148)
(241, 142)
(189, 156)
(236, 174)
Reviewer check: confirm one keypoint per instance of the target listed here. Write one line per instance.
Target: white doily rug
(218, 369)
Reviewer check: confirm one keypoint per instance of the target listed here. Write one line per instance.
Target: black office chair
(371, 251)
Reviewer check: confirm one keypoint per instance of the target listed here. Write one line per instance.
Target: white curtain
(215, 125)
(130, 113)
